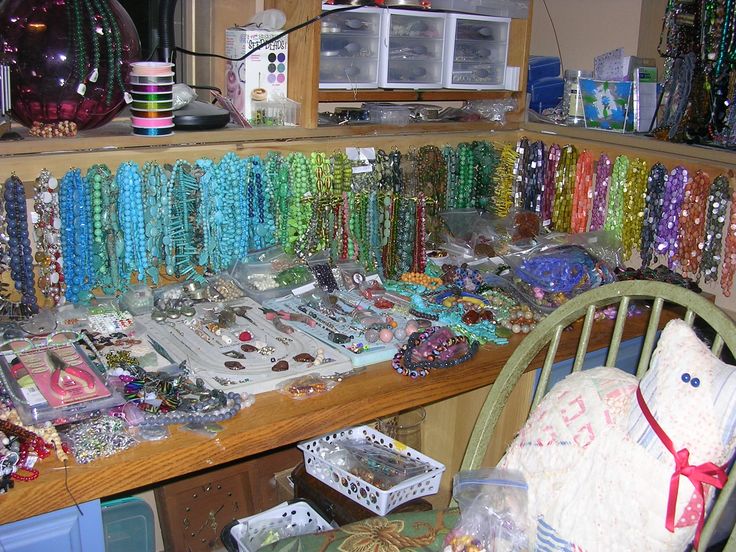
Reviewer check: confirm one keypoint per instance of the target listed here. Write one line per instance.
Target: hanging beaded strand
(691, 227)
(19, 242)
(485, 159)
(633, 206)
(600, 195)
(521, 172)
(656, 182)
(130, 214)
(615, 214)
(76, 236)
(503, 197)
(183, 206)
(535, 180)
(728, 268)
(464, 192)
(46, 231)
(666, 240)
(714, 219)
(548, 193)
(564, 188)
(583, 193)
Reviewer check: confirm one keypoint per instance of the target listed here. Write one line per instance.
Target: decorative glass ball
(69, 59)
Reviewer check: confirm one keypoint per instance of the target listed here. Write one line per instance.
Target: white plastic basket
(298, 518)
(376, 500)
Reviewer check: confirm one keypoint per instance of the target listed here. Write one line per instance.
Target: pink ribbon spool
(158, 122)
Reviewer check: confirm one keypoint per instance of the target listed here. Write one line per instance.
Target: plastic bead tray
(377, 500)
(207, 358)
(375, 352)
(298, 518)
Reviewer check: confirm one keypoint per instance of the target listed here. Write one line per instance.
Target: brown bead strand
(729, 253)
(691, 229)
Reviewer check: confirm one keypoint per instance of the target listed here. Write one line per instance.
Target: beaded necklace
(728, 268)
(183, 206)
(405, 236)
(600, 195)
(130, 215)
(548, 192)
(300, 209)
(715, 217)
(432, 181)
(114, 42)
(656, 182)
(155, 207)
(419, 261)
(4, 253)
(76, 236)
(615, 214)
(691, 228)
(100, 262)
(634, 200)
(46, 229)
(486, 161)
(502, 198)
(666, 240)
(582, 195)
(113, 235)
(19, 243)
(326, 183)
(464, 191)
(564, 188)
(450, 155)
(521, 172)
(260, 208)
(532, 200)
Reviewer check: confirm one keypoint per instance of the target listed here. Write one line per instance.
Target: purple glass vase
(69, 59)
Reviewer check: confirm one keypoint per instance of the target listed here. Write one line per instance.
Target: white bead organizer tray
(251, 355)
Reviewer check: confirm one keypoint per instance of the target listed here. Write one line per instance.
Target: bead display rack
(356, 347)
(245, 357)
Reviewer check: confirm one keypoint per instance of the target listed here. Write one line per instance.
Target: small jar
(572, 98)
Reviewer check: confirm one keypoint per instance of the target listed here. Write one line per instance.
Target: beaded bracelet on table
(404, 366)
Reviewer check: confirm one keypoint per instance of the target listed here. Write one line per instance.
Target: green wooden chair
(426, 530)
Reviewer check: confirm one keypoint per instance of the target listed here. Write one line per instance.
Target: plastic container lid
(128, 525)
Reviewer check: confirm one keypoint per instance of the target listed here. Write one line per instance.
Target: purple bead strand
(666, 240)
(600, 195)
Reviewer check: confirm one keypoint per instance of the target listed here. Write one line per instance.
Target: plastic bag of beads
(319, 264)
(305, 386)
(604, 245)
(493, 512)
(549, 276)
(97, 438)
(352, 275)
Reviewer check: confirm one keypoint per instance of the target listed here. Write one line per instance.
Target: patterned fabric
(598, 477)
(407, 532)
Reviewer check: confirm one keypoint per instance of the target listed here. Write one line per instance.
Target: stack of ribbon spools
(151, 84)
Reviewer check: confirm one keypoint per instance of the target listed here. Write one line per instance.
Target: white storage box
(350, 45)
(412, 50)
(377, 500)
(477, 47)
(517, 9)
(289, 520)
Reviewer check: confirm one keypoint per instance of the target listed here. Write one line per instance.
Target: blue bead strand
(76, 236)
(130, 215)
(19, 245)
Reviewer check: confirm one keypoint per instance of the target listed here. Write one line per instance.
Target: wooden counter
(272, 422)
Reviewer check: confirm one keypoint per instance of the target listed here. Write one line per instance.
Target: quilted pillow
(599, 474)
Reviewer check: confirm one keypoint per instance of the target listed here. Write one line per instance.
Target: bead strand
(634, 199)
(652, 212)
(46, 230)
(548, 193)
(76, 236)
(615, 214)
(691, 227)
(564, 188)
(19, 242)
(600, 195)
(715, 217)
(582, 194)
(666, 240)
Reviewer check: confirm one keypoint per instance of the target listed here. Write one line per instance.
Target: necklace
(666, 239)
(548, 191)
(503, 196)
(182, 206)
(19, 243)
(715, 217)
(564, 187)
(521, 173)
(634, 198)
(582, 194)
(76, 236)
(728, 269)
(691, 227)
(614, 216)
(155, 207)
(46, 229)
(130, 215)
(652, 211)
(600, 195)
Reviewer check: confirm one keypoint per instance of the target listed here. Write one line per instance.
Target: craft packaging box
(259, 77)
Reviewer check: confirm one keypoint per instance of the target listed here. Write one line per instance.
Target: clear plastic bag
(550, 275)
(493, 512)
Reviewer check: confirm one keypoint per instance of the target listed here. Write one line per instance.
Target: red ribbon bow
(704, 474)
